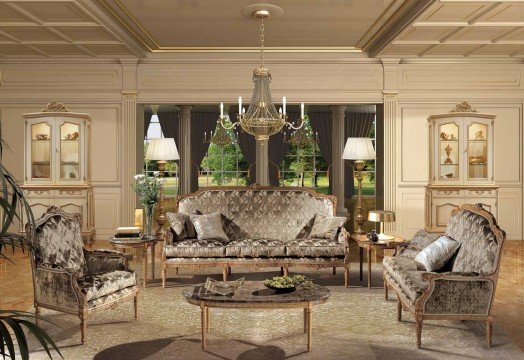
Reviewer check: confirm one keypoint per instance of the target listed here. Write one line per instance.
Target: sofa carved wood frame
(285, 263)
(419, 306)
(72, 299)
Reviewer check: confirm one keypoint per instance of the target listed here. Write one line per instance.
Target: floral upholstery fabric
(256, 248)
(113, 297)
(181, 225)
(59, 241)
(327, 227)
(196, 248)
(269, 214)
(479, 245)
(55, 287)
(421, 239)
(314, 248)
(460, 297)
(97, 286)
(209, 226)
(405, 273)
(100, 261)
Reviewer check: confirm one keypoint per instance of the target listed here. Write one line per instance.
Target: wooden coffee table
(254, 295)
(364, 244)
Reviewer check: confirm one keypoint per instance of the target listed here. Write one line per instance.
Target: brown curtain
(169, 123)
(277, 150)
(200, 122)
(248, 146)
(147, 121)
(321, 124)
(356, 124)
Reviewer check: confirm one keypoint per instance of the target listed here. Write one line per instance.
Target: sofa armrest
(100, 261)
(457, 293)
(58, 287)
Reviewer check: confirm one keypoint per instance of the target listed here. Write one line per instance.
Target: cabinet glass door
(448, 148)
(41, 151)
(69, 152)
(477, 151)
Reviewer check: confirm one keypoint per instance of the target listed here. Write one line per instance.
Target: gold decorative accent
(55, 106)
(463, 107)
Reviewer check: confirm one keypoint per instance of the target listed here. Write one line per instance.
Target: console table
(142, 243)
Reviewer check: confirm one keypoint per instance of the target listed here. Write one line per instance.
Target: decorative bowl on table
(287, 284)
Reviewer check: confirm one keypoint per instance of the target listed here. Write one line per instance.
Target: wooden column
(337, 168)
(185, 149)
(262, 161)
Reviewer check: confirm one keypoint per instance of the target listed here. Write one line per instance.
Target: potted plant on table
(148, 190)
(13, 322)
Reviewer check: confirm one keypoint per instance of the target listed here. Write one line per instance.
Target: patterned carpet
(356, 323)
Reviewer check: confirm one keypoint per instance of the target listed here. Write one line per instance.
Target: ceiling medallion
(261, 118)
(463, 107)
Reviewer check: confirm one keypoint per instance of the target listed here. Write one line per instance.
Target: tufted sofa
(266, 227)
(465, 288)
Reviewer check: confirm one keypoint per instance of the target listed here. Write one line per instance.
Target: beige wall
(106, 90)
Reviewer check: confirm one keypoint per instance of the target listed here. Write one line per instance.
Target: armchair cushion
(405, 273)
(434, 256)
(193, 248)
(101, 261)
(256, 248)
(99, 285)
(421, 239)
(327, 227)
(315, 248)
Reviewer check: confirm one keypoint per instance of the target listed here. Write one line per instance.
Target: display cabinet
(461, 164)
(57, 166)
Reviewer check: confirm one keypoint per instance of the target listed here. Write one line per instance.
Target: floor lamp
(162, 150)
(359, 150)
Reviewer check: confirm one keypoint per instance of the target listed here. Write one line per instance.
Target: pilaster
(337, 168)
(262, 161)
(184, 149)
(128, 155)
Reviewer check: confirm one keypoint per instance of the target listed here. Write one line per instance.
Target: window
(223, 166)
(369, 172)
(154, 131)
(305, 166)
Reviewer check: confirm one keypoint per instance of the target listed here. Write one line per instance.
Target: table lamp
(162, 150)
(381, 217)
(359, 149)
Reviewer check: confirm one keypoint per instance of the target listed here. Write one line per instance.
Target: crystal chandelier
(300, 138)
(220, 137)
(261, 118)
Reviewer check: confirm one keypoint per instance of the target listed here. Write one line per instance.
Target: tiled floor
(16, 290)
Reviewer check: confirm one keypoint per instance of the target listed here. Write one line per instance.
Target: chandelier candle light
(261, 118)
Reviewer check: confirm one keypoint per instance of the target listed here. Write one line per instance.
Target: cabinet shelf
(69, 163)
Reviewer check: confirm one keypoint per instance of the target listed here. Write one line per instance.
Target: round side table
(364, 244)
(143, 243)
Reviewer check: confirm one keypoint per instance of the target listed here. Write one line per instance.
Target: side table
(364, 244)
(141, 243)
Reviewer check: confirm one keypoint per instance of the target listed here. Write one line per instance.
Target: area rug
(356, 323)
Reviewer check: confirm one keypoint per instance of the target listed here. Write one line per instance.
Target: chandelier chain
(261, 42)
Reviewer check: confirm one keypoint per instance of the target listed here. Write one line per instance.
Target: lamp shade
(162, 149)
(381, 216)
(359, 149)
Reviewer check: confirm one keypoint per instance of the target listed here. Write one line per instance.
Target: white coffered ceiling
(381, 28)
(466, 28)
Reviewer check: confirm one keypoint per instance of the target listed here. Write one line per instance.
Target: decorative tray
(223, 287)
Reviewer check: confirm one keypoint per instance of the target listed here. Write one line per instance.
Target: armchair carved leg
(37, 313)
(346, 276)
(489, 330)
(418, 319)
(399, 310)
(135, 305)
(385, 287)
(83, 326)
(164, 274)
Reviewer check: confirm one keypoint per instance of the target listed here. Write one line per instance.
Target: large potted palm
(14, 324)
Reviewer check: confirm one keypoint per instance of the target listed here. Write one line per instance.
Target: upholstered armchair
(71, 279)
(465, 288)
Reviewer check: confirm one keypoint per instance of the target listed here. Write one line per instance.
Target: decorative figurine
(372, 236)
(479, 135)
(448, 160)
(450, 176)
(444, 136)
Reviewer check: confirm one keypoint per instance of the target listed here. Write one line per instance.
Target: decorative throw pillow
(434, 256)
(209, 227)
(181, 225)
(326, 227)
(421, 239)
(306, 229)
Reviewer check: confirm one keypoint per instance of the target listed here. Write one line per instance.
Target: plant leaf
(20, 337)
(42, 337)
(7, 338)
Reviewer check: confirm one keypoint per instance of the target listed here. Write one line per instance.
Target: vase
(149, 209)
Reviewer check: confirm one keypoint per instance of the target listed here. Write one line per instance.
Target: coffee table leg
(361, 251)
(153, 261)
(203, 324)
(144, 265)
(369, 268)
(208, 320)
(309, 326)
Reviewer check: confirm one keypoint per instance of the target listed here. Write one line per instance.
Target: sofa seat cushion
(99, 285)
(405, 273)
(192, 248)
(256, 248)
(314, 247)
